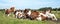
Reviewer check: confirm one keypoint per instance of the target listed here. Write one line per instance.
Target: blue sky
(32, 4)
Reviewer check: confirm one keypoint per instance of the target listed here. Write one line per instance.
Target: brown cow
(34, 15)
(8, 11)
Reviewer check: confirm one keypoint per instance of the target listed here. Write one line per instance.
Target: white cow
(48, 15)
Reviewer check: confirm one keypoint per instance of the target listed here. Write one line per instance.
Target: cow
(19, 14)
(34, 15)
(47, 15)
(50, 15)
(25, 13)
(9, 11)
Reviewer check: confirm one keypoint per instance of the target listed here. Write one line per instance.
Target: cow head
(12, 9)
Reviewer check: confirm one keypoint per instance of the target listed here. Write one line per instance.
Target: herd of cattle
(31, 14)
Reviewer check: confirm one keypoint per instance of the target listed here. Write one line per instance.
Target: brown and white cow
(34, 15)
(18, 14)
(8, 11)
(48, 15)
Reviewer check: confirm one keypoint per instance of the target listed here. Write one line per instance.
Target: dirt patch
(55, 22)
(58, 21)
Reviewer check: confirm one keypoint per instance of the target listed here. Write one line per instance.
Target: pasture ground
(11, 20)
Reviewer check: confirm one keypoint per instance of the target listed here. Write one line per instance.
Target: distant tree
(58, 9)
(45, 8)
(2, 9)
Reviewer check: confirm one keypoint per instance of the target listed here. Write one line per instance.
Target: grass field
(11, 20)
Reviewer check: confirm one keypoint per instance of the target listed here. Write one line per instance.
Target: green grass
(11, 20)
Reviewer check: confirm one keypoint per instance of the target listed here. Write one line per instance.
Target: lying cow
(18, 14)
(33, 15)
(47, 14)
